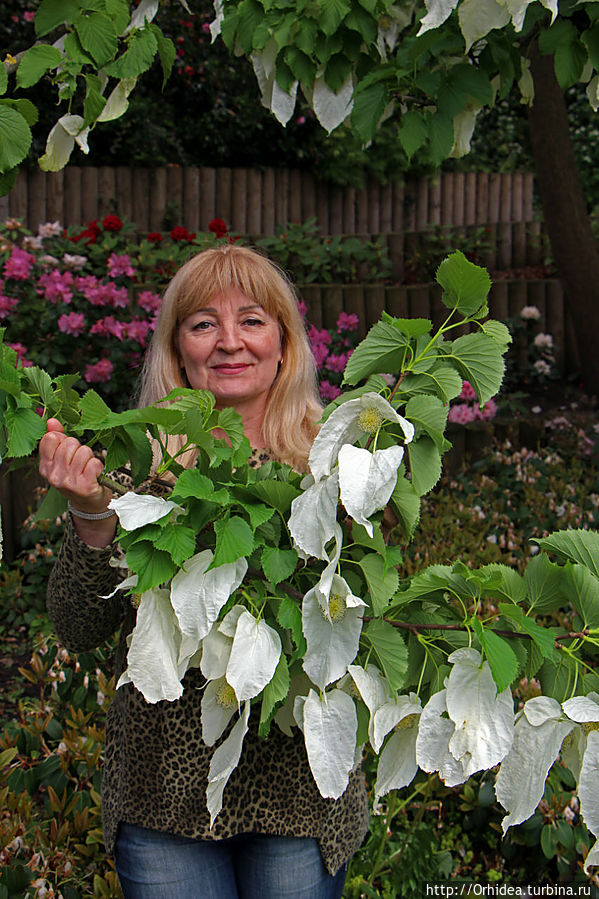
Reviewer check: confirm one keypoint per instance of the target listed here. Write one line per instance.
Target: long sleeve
(78, 583)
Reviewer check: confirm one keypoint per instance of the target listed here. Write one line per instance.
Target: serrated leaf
(25, 108)
(35, 62)
(278, 494)
(406, 504)
(234, 539)
(289, 616)
(499, 654)
(440, 380)
(540, 635)
(15, 138)
(274, 693)
(93, 410)
(498, 331)
(391, 650)
(118, 10)
(544, 585)
(52, 13)
(369, 106)
(152, 566)
(574, 546)
(412, 131)
(39, 384)
(331, 14)
(24, 429)
(382, 584)
(425, 464)
(8, 181)
(278, 564)
(569, 61)
(137, 58)
(383, 350)
(94, 102)
(166, 53)
(178, 541)
(429, 414)
(98, 36)
(441, 137)
(582, 589)
(465, 285)
(479, 360)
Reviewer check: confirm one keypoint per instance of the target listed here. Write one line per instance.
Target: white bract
(538, 735)
(582, 756)
(223, 763)
(348, 423)
(330, 724)
(484, 720)
(134, 510)
(367, 480)
(218, 706)
(68, 130)
(332, 107)
(397, 763)
(432, 743)
(198, 595)
(153, 657)
(117, 101)
(313, 520)
(333, 637)
(254, 656)
(280, 103)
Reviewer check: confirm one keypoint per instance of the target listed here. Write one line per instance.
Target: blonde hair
(293, 407)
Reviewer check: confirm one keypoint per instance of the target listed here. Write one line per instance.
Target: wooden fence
(255, 202)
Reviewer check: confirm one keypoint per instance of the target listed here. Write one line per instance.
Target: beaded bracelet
(89, 516)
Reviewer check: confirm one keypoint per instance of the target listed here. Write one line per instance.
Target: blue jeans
(155, 865)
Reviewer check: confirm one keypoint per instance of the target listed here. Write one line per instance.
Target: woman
(229, 324)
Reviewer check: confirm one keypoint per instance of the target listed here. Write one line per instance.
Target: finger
(53, 426)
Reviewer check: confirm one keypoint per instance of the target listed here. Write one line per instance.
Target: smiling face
(232, 347)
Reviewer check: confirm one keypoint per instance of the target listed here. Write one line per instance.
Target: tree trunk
(566, 218)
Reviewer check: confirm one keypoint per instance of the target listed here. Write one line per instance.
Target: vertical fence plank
(386, 201)
(309, 196)
(498, 300)
(517, 296)
(36, 199)
(410, 203)
(354, 301)
(254, 188)
(395, 243)
(17, 198)
(362, 210)
(494, 194)
(517, 197)
(107, 201)
(349, 210)
(536, 295)
(470, 198)
(374, 207)
(224, 183)
(332, 304)
(157, 199)
(419, 301)
(435, 202)
(140, 198)
(396, 301)
(398, 200)
(534, 244)
(281, 196)
(89, 194)
(268, 202)
(504, 245)
(505, 198)
(239, 201)
(519, 244)
(528, 190)
(310, 294)
(336, 211)
(72, 190)
(459, 202)
(374, 303)
(191, 198)
(482, 199)
(295, 196)
(123, 191)
(447, 191)
(207, 196)
(422, 215)
(55, 197)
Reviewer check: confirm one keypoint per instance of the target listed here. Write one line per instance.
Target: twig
(415, 628)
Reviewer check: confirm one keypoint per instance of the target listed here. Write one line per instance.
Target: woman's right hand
(74, 470)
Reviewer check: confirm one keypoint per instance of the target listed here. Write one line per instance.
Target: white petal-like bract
(432, 743)
(437, 11)
(223, 763)
(152, 660)
(135, 510)
(588, 789)
(313, 520)
(367, 480)
(332, 107)
(390, 714)
(333, 641)
(478, 17)
(521, 779)
(583, 709)
(397, 763)
(330, 726)
(216, 649)
(198, 595)
(255, 654)
(216, 710)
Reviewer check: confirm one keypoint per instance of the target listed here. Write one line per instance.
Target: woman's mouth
(231, 368)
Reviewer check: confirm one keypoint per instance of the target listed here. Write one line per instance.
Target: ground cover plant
(438, 629)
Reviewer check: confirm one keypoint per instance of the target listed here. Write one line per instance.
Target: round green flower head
(370, 419)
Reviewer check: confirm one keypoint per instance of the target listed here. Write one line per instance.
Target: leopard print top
(156, 764)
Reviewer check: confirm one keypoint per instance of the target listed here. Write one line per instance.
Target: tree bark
(566, 218)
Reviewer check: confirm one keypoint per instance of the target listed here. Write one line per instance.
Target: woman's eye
(254, 321)
(201, 326)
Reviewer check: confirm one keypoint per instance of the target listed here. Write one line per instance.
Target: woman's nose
(229, 337)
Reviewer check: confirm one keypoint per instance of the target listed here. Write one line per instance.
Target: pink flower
(108, 327)
(348, 322)
(137, 330)
(320, 352)
(7, 304)
(462, 414)
(18, 265)
(99, 373)
(488, 411)
(56, 286)
(120, 266)
(337, 363)
(49, 229)
(329, 391)
(302, 309)
(73, 323)
(29, 15)
(117, 297)
(90, 287)
(316, 336)
(149, 301)
(468, 391)
(20, 350)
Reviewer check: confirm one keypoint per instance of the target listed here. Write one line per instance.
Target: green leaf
(118, 10)
(289, 616)
(440, 380)
(382, 584)
(25, 107)
(369, 106)
(331, 14)
(278, 494)
(178, 541)
(582, 589)
(52, 506)
(406, 505)
(275, 692)
(94, 411)
(35, 62)
(479, 360)
(8, 181)
(440, 128)
(140, 452)
(74, 50)
(425, 464)
(569, 61)
(429, 414)
(412, 132)
(98, 37)
(511, 585)
(391, 650)
(166, 53)
(544, 586)
(465, 285)
(234, 539)
(499, 654)
(15, 138)
(382, 350)
(562, 32)
(193, 484)
(3, 80)
(498, 331)
(337, 69)
(25, 429)
(574, 546)
(541, 635)
(52, 13)
(152, 566)
(411, 327)
(278, 564)
(39, 384)
(137, 58)
(94, 102)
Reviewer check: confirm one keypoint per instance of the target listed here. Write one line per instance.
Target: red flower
(218, 227)
(112, 223)
(154, 237)
(179, 233)
(92, 232)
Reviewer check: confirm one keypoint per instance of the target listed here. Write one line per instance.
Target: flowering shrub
(332, 349)
(466, 408)
(531, 361)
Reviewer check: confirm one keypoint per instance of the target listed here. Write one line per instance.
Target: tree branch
(415, 628)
